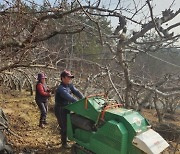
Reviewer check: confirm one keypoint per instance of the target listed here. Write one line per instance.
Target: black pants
(61, 115)
(43, 107)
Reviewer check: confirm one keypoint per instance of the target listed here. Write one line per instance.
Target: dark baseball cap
(41, 76)
(66, 73)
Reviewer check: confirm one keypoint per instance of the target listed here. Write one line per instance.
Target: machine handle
(107, 107)
(86, 101)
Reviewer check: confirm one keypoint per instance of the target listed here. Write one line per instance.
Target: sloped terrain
(23, 116)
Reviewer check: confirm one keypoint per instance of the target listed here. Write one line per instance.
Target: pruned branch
(156, 90)
(113, 85)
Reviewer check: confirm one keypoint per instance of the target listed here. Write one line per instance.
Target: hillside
(23, 117)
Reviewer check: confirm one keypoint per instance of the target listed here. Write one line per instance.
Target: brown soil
(23, 116)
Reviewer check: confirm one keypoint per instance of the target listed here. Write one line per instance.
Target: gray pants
(43, 107)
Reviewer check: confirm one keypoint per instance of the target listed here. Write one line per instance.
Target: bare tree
(28, 30)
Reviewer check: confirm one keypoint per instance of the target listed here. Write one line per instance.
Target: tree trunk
(160, 118)
(124, 65)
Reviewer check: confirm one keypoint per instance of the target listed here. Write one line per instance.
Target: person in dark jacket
(63, 97)
(42, 95)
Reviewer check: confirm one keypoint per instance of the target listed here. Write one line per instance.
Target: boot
(41, 124)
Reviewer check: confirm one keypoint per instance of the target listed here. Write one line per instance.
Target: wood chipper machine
(101, 126)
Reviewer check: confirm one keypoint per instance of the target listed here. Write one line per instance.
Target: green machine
(102, 126)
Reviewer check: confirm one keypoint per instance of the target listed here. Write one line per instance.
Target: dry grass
(23, 116)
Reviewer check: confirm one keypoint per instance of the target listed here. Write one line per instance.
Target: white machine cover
(150, 142)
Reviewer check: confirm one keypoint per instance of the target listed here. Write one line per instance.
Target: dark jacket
(63, 95)
(42, 93)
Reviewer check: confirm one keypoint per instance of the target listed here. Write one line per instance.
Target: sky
(163, 4)
(158, 7)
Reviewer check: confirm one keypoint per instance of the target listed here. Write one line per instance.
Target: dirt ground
(23, 116)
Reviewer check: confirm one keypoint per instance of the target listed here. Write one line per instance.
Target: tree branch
(151, 13)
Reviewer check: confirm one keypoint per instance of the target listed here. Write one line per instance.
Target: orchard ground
(23, 115)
